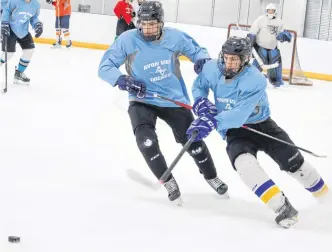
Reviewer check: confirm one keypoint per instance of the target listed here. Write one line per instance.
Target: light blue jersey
(19, 13)
(154, 63)
(3, 4)
(241, 100)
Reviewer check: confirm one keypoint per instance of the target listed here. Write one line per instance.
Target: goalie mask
(234, 55)
(150, 21)
(271, 11)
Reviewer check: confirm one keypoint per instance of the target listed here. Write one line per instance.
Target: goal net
(292, 71)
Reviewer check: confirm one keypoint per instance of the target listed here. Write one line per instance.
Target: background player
(151, 57)
(125, 13)
(240, 98)
(15, 28)
(265, 33)
(62, 21)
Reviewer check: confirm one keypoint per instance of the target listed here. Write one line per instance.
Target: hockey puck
(14, 239)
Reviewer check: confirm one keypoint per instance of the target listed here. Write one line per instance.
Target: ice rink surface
(66, 145)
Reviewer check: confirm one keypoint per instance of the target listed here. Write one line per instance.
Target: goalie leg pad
(275, 74)
(256, 179)
(262, 53)
(308, 176)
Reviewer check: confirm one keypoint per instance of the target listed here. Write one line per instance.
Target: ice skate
(21, 78)
(220, 187)
(287, 215)
(174, 194)
(57, 44)
(69, 44)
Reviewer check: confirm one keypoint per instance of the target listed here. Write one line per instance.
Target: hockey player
(125, 13)
(15, 28)
(62, 21)
(265, 33)
(240, 99)
(151, 55)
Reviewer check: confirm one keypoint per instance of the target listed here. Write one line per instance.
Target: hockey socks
(308, 176)
(258, 181)
(25, 60)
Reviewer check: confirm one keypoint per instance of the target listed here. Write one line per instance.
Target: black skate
(287, 215)
(69, 44)
(219, 186)
(20, 78)
(173, 190)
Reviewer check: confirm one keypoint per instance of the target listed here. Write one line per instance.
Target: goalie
(264, 34)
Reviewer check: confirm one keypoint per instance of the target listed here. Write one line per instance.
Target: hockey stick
(245, 127)
(4, 89)
(137, 177)
(257, 57)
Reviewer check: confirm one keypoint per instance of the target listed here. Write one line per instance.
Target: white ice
(66, 144)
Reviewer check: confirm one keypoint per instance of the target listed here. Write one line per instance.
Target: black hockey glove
(198, 67)
(49, 1)
(132, 85)
(38, 29)
(5, 30)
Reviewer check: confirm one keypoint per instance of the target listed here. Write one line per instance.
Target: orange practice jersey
(62, 7)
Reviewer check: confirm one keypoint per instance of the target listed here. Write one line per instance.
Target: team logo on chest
(24, 16)
(158, 70)
(273, 29)
(227, 103)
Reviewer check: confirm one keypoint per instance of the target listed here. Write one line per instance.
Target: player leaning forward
(240, 99)
(151, 55)
(15, 29)
(265, 33)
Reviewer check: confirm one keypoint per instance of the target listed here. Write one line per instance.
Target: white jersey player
(265, 33)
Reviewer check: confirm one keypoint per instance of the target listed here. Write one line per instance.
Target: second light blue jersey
(154, 63)
(3, 3)
(241, 100)
(19, 14)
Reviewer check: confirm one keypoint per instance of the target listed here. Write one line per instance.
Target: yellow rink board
(311, 75)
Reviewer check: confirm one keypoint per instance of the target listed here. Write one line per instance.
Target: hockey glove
(203, 106)
(5, 30)
(133, 14)
(284, 36)
(49, 1)
(38, 29)
(204, 125)
(198, 67)
(133, 86)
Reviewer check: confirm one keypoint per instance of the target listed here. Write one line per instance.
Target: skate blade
(177, 202)
(18, 82)
(287, 223)
(224, 196)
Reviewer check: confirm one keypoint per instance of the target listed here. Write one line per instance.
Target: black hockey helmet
(235, 46)
(150, 11)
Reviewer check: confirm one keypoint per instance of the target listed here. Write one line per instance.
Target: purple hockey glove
(133, 86)
(199, 64)
(204, 125)
(203, 106)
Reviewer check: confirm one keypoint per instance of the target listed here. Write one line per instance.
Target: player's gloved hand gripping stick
(245, 127)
